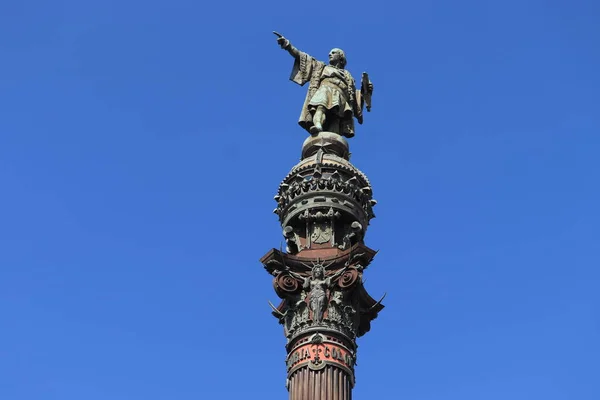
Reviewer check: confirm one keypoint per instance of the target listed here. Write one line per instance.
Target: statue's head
(337, 57)
(318, 271)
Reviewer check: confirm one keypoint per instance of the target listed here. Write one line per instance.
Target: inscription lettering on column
(317, 353)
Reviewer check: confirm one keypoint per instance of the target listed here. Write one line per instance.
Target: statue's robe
(331, 87)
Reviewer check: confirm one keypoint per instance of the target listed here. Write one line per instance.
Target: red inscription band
(317, 356)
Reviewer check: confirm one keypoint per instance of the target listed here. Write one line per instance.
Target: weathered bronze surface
(332, 99)
(324, 206)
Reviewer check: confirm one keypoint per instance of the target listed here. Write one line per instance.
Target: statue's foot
(315, 130)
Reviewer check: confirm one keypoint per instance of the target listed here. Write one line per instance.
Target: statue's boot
(315, 130)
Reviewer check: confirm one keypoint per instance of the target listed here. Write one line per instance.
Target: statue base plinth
(328, 142)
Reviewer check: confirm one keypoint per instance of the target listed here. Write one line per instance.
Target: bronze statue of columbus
(332, 99)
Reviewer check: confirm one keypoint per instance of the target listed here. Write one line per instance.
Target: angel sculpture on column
(318, 285)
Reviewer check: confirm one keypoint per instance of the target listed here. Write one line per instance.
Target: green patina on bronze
(332, 99)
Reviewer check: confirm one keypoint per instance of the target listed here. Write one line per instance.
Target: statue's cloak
(308, 69)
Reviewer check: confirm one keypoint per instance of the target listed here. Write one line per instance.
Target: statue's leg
(319, 120)
(347, 127)
(333, 124)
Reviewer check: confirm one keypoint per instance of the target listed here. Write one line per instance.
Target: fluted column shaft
(330, 383)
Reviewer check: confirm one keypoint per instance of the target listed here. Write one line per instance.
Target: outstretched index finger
(278, 34)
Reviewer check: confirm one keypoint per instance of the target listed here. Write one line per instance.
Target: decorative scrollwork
(348, 278)
(285, 285)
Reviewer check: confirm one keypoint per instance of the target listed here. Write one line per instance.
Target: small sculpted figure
(332, 99)
(318, 285)
(352, 237)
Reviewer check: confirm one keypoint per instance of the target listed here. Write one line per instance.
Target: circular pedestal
(329, 142)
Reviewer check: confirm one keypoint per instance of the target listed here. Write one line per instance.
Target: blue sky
(141, 143)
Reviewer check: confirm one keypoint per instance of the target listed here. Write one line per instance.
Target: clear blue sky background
(141, 143)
